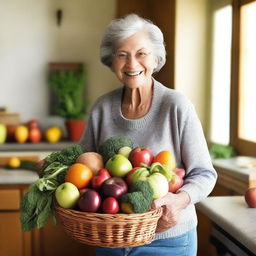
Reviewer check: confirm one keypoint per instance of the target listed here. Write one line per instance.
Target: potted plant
(67, 81)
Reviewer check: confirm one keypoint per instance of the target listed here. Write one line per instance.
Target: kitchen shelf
(42, 146)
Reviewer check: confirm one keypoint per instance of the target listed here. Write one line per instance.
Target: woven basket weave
(109, 230)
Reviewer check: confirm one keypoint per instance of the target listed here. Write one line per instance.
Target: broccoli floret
(111, 146)
(140, 196)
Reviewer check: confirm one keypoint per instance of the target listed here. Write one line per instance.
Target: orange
(79, 174)
(165, 157)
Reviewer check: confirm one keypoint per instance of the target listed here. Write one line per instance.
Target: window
(233, 75)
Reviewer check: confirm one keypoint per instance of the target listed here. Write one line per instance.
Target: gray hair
(120, 29)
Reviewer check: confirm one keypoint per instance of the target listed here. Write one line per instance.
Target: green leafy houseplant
(68, 86)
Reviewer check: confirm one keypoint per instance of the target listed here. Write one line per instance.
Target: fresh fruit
(141, 155)
(11, 132)
(126, 208)
(99, 178)
(82, 190)
(250, 197)
(21, 133)
(90, 201)
(110, 205)
(166, 158)
(34, 135)
(91, 159)
(14, 162)
(175, 183)
(67, 195)
(125, 151)
(180, 172)
(53, 134)
(128, 177)
(33, 124)
(79, 174)
(118, 165)
(114, 187)
(3, 133)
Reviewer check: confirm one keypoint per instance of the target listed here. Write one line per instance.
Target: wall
(190, 53)
(30, 39)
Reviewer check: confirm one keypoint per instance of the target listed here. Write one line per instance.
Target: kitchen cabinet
(48, 241)
(233, 180)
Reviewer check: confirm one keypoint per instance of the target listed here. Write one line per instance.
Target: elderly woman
(157, 117)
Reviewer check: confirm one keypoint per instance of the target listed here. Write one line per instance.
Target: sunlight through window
(220, 84)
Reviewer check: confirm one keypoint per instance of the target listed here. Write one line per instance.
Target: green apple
(118, 165)
(67, 195)
(125, 151)
(3, 133)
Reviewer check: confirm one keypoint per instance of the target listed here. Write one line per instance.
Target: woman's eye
(122, 55)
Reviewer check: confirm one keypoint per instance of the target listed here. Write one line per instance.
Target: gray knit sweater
(171, 124)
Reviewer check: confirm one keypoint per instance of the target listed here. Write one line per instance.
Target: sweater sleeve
(87, 141)
(200, 174)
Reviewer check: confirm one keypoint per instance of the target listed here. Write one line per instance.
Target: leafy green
(37, 204)
(69, 89)
(221, 151)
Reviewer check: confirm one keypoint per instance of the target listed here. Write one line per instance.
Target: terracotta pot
(75, 129)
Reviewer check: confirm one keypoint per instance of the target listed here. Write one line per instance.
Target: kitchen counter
(19, 176)
(232, 214)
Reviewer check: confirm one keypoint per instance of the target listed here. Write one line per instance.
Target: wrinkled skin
(172, 205)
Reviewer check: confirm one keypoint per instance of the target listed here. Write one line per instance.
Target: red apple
(32, 124)
(35, 135)
(83, 190)
(141, 155)
(110, 205)
(180, 172)
(99, 178)
(114, 187)
(128, 177)
(89, 201)
(175, 183)
(250, 197)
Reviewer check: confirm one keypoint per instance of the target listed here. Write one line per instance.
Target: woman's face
(134, 61)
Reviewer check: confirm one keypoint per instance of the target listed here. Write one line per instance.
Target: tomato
(166, 158)
(79, 174)
(35, 135)
(110, 205)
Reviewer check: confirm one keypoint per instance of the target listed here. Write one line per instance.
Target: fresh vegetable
(91, 159)
(157, 175)
(36, 205)
(112, 145)
(139, 198)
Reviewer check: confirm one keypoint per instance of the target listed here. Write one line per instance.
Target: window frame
(243, 147)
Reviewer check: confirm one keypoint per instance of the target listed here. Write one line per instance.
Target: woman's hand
(172, 205)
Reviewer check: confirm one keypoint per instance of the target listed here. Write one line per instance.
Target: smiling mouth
(133, 73)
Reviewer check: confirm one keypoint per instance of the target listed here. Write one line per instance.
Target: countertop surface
(19, 176)
(233, 215)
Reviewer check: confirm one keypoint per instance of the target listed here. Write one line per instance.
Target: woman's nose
(131, 61)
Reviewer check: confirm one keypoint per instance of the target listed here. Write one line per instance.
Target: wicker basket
(109, 230)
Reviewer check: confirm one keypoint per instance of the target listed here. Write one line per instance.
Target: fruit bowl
(109, 230)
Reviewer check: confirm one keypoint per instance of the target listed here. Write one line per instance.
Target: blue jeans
(183, 245)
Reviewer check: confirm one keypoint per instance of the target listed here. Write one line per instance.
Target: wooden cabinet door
(10, 234)
(52, 240)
